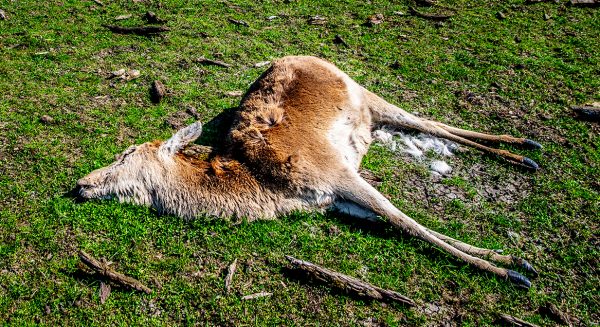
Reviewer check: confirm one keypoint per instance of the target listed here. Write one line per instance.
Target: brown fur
(296, 143)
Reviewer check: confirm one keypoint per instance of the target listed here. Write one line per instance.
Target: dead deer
(296, 143)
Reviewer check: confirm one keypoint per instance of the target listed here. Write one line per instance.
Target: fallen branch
(587, 112)
(553, 312)
(429, 16)
(256, 295)
(107, 272)
(238, 22)
(349, 284)
(339, 40)
(205, 61)
(138, 30)
(514, 321)
(590, 3)
(229, 277)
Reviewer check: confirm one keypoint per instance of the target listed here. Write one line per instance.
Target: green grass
(55, 59)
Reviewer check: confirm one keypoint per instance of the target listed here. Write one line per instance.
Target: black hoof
(518, 279)
(530, 163)
(530, 144)
(525, 265)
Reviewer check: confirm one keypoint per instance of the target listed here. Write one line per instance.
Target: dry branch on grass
(430, 16)
(205, 61)
(349, 284)
(514, 321)
(107, 272)
(138, 30)
(256, 295)
(104, 292)
(589, 112)
(229, 277)
(238, 22)
(584, 2)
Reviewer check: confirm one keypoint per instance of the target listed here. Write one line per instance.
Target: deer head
(138, 171)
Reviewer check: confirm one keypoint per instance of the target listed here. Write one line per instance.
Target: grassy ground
(515, 75)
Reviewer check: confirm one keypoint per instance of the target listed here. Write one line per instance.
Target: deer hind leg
(493, 255)
(361, 199)
(354, 210)
(388, 114)
(526, 143)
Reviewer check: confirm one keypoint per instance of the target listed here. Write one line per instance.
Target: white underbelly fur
(350, 134)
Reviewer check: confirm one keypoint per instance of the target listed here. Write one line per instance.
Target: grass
(516, 76)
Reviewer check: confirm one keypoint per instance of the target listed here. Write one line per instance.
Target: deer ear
(180, 139)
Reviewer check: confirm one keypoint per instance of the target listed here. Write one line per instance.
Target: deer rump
(296, 143)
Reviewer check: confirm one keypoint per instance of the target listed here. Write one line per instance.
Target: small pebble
(261, 64)
(133, 74)
(118, 73)
(47, 119)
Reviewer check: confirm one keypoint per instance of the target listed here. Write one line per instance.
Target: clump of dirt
(449, 310)
(178, 120)
(477, 184)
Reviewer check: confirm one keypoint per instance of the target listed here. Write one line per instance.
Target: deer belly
(350, 137)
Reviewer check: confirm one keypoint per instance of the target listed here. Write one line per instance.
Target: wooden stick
(229, 277)
(349, 284)
(429, 16)
(587, 112)
(205, 61)
(139, 30)
(106, 271)
(256, 296)
(514, 321)
(238, 22)
(584, 2)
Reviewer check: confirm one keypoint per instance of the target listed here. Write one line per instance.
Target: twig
(256, 295)
(587, 112)
(139, 30)
(514, 321)
(584, 2)
(238, 22)
(553, 312)
(104, 292)
(229, 277)
(205, 61)
(98, 2)
(152, 18)
(429, 16)
(339, 40)
(349, 284)
(106, 271)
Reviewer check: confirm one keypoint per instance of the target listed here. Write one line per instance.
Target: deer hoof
(518, 279)
(530, 144)
(525, 265)
(530, 163)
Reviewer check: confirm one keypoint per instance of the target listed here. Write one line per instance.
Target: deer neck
(216, 186)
